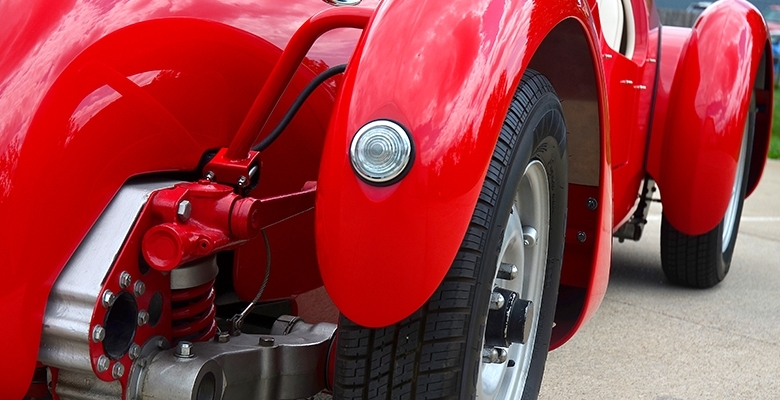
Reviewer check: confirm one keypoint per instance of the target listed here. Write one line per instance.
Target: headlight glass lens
(381, 151)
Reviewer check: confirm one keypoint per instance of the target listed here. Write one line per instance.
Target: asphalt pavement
(651, 340)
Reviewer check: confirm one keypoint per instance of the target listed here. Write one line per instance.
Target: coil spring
(194, 313)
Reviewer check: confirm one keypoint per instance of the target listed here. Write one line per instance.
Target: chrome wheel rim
(730, 219)
(530, 208)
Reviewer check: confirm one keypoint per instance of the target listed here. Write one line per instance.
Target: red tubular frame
(282, 74)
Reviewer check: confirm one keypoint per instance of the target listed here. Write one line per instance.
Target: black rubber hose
(307, 91)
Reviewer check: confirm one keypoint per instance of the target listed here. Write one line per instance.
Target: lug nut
(139, 289)
(125, 279)
(118, 370)
(143, 317)
(184, 350)
(530, 236)
(134, 351)
(184, 210)
(108, 298)
(496, 301)
(103, 363)
(494, 355)
(507, 271)
(98, 334)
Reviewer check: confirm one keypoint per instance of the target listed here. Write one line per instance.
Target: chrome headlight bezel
(381, 152)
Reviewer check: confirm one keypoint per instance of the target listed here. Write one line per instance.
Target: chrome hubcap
(521, 269)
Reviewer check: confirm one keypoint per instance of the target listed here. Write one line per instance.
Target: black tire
(437, 351)
(702, 261)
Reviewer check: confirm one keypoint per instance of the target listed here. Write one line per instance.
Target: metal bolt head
(209, 176)
(143, 318)
(494, 355)
(530, 236)
(266, 341)
(125, 279)
(222, 337)
(139, 288)
(581, 236)
(108, 298)
(507, 271)
(496, 301)
(103, 363)
(134, 351)
(242, 181)
(592, 204)
(118, 370)
(98, 334)
(184, 350)
(184, 210)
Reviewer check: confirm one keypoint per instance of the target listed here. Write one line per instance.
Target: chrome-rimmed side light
(381, 152)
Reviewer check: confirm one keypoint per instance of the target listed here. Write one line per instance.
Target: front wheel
(485, 332)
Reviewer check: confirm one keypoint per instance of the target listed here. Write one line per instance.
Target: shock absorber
(192, 295)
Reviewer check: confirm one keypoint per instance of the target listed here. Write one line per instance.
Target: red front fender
(446, 71)
(695, 162)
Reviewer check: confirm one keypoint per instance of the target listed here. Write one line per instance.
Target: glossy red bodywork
(88, 100)
(95, 92)
(384, 267)
(694, 161)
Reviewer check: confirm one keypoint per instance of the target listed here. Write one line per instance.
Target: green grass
(774, 142)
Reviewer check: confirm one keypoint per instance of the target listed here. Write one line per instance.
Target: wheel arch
(454, 123)
(581, 90)
(701, 112)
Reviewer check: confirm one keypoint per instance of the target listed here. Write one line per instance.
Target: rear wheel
(485, 332)
(702, 261)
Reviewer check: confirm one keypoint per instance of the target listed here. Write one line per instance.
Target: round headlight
(381, 152)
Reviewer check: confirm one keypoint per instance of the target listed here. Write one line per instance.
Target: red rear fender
(445, 70)
(147, 98)
(694, 151)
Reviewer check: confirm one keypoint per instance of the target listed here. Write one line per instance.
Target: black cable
(307, 91)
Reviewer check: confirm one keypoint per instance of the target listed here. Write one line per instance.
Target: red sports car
(432, 185)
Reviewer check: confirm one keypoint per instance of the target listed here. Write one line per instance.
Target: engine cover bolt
(496, 301)
(184, 210)
(103, 363)
(139, 289)
(507, 271)
(98, 334)
(222, 337)
(125, 279)
(118, 370)
(108, 298)
(266, 341)
(134, 351)
(184, 350)
(143, 317)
